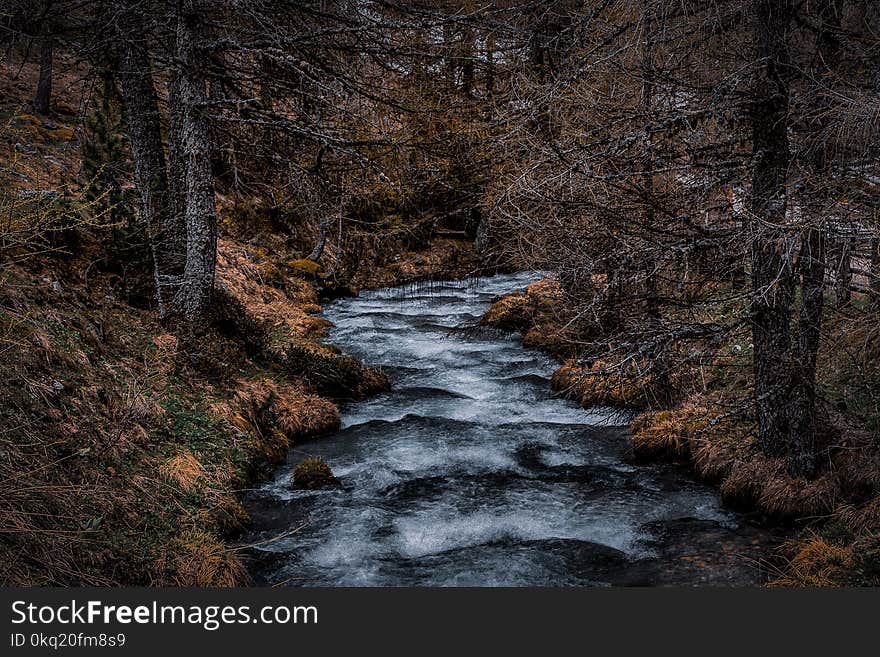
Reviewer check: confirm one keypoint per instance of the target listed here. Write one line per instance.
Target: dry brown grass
(509, 312)
(184, 469)
(608, 383)
(764, 484)
(196, 558)
(540, 314)
(120, 458)
(285, 310)
(817, 562)
(843, 497)
(277, 414)
(861, 519)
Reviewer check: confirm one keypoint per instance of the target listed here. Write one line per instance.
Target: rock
(56, 287)
(46, 194)
(312, 474)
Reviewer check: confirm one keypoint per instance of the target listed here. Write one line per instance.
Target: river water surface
(470, 472)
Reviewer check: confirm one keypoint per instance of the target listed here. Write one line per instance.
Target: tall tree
(43, 95)
(163, 228)
(771, 242)
(200, 213)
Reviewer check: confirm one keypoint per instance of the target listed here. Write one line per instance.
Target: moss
(304, 267)
(61, 134)
(312, 474)
(271, 272)
(509, 313)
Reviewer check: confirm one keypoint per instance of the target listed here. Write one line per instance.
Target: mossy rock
(333, 374)
(313, 474)
(61, 134)
(304, 267)
(509, 313)
(29, 118)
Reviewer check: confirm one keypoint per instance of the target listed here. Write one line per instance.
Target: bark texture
(771, 245)
(200, 214)
(163, 228)
(802, 443)
(812, 262)
(43, 96)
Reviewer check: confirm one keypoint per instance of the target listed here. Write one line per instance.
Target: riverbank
(123, 454)
(126, 450)
(696, 415)
(469, 471)
(123, 450)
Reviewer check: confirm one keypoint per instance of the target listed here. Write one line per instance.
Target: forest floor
(121, 458)
(122, 451)
(694, 416)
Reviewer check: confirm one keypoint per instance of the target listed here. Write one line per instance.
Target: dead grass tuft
(817, 562)
(861, 519)
(184, 469)
(604, 383)
(198, 559)
(539, 314)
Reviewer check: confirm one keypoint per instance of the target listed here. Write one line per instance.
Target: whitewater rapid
(471, 472)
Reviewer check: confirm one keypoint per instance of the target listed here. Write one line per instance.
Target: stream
(471, 472)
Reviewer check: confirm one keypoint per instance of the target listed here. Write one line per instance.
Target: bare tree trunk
(318, 251)
(874, 283)
(812, 265)
(200, 215)
(772, 247)
(483, 236)
(164, 229)
(802, 442)
(652, 302)
(43, 96)
(176, 163)
(842, 270)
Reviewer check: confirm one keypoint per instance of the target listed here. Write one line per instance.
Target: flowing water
(470, 472)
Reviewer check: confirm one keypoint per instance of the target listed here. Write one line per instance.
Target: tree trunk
(842, 270)
(812, 264)
(652, 302)
(483, 235)
(164, 229)
(802, 443)
(43, 97)
(318, 251)
(200, 214)
(176, 161)
(771, 246)
(874, 283)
